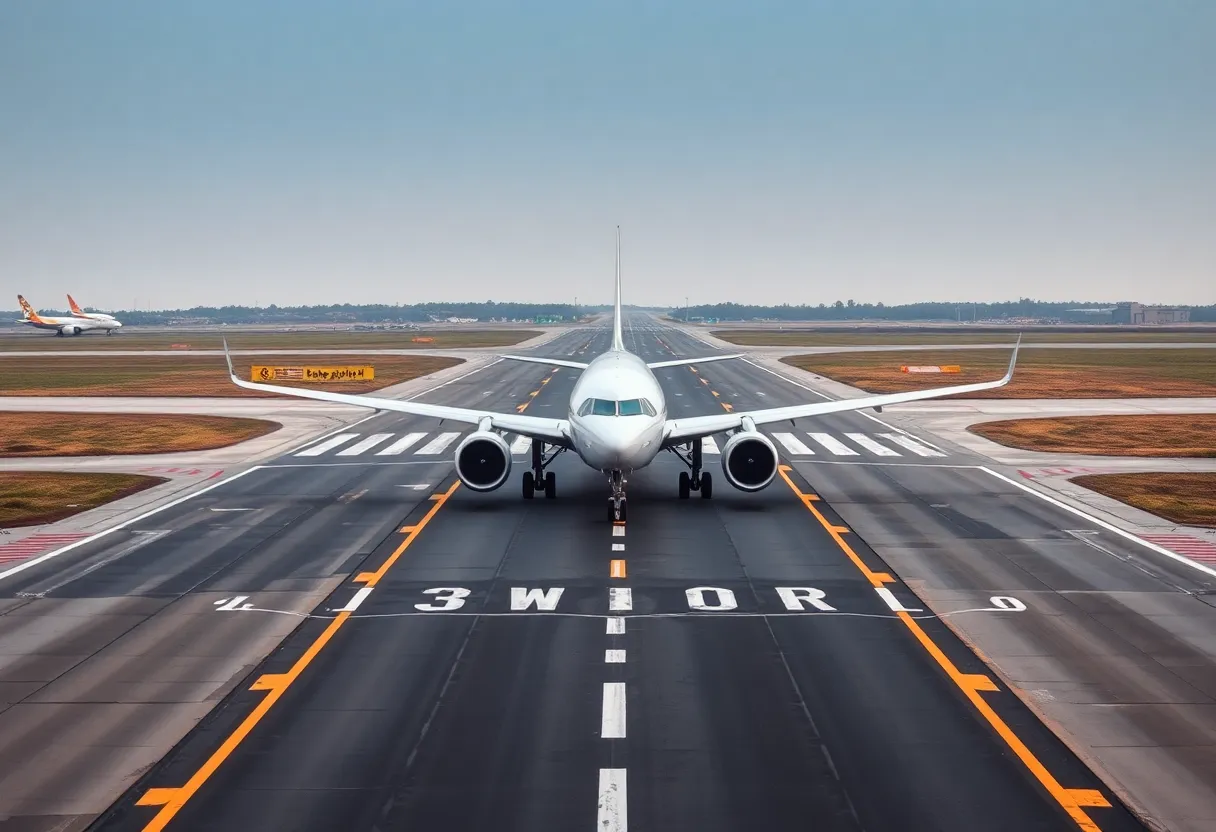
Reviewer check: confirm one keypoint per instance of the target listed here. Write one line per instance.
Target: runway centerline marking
(971, 685)
(172, 800)
(612, 718)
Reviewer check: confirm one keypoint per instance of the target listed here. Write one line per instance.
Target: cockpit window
(607, 407)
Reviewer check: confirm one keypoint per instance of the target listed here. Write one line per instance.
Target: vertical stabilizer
(76, 310)
(618, 341)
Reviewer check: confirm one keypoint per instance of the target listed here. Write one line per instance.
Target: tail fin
(618, 342)
(27, 309)
(76, 310)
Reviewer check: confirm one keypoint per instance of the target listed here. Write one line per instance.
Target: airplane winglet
(228, 358)
(1013, 360)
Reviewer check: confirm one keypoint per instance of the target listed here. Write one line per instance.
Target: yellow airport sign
(945, 368)
(313, 374)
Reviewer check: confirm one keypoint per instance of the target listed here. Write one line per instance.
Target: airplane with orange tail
(77, 312)
(66, 326)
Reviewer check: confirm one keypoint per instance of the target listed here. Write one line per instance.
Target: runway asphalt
(440, 658)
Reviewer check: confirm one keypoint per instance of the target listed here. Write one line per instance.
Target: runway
(352, 640)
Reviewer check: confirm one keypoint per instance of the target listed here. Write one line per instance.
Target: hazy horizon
(186, 154)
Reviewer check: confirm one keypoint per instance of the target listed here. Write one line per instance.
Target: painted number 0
(1004, 602)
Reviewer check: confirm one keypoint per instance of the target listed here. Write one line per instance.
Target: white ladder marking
(912, 445)
(870, 445)
(327, 445)
(437, 444)
(833, 444)
(401, 444)
(521, 445)
(793, 444)
(709, 446)
(614, 656)
(366, 445)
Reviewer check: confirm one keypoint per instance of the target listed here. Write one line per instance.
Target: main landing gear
(616, 503)
(693, 479)
(537, 479)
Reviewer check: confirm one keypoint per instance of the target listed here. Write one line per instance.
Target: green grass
(32, 498)
(808, 338)
(1041, 373)
(190, 375)
(27, 340)
(57, 433)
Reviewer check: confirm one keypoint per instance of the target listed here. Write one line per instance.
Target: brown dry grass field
(31, 498)
(1041, 373)
(1172, 435)
(24, 434)
(306, 340)
(1188, 498)
(810, 338)
(187, 375)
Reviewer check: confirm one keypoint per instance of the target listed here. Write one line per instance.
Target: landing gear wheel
(685, 485)
(616, 515)
(550, 485)
(707, 486)
(529, 485)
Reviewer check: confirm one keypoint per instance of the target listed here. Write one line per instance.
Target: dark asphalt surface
(405, 715)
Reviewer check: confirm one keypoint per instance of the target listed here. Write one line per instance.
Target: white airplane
(617, 423)
(77, 312)
(65, 326)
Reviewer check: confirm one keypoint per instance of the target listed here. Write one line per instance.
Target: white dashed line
(793, 444)
(612, 721)
(833, 444)
(709, 446)
(618, 547)
(612, 808)
(618, 531)
(871, 446)
(911, 444)
(616, 626)
(521, 445)
(401, 444)
(437, 444)
(366, 445)
(614, 656)
(327, 445)
(620, 599)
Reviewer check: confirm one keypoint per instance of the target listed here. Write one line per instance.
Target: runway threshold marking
(971, 684)
(172, 800)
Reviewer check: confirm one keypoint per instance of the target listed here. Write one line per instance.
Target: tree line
(929, 311)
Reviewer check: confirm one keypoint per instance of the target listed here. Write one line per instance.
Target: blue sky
(183, 153)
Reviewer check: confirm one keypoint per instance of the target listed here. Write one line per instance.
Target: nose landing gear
(616, 503)
(693, 479)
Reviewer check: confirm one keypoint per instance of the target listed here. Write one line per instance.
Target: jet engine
(483, 461)
(749, 461)
(69, 330)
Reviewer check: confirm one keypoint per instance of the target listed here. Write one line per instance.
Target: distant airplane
(66, 326)
(617, 423)
(77, 312)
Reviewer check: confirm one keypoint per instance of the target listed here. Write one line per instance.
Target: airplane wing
(683, 430)
(676, 362)
(553, 362)
(553, 431)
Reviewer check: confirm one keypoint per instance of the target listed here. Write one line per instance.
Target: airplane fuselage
(82, 325)
(622, 428)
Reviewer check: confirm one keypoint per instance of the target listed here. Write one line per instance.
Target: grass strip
(1188, 498)
(31, 498)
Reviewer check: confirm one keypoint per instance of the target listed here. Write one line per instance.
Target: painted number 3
(447, 598)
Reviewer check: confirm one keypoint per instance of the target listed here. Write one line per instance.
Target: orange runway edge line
(971, 684)
(171, 800)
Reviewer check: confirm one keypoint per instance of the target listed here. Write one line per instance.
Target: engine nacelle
(749, 461)
(483, 461)
(69, 330)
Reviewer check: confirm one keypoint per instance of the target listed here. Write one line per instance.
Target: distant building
(1138, 313)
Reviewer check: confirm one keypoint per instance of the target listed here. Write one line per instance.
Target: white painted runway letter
(545, 599)
(447, 598)
(796, 597)
(1005, 602)
(724, 597)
